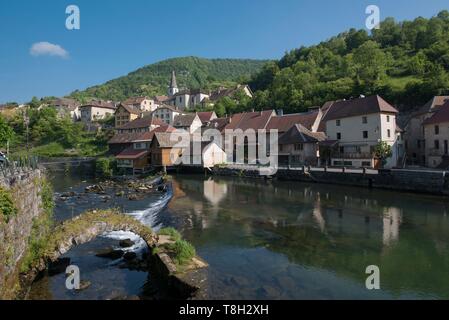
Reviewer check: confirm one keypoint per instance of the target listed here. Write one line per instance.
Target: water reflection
(319, 238)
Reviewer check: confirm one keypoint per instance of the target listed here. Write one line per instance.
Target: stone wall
(431, 182)
(24, 188)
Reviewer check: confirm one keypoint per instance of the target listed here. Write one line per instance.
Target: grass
(89, 146)
(171, 232)
(399, 83)
(183, 251)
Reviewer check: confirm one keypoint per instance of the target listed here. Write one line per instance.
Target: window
(437, 129)
(338, 123)
(366, 164)
(437, 144)
(388, 118)
(418, 144)
(365, 134)
(364, 120)
(338, 136)
(389, 133)
(299, 147)
(342, 149)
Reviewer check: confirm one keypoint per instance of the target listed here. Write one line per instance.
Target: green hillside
(406, 62)
(192, 72)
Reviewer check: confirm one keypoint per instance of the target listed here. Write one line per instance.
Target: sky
(40, 57)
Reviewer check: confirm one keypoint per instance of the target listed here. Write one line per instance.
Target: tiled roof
(70, 104)
(131, 154)
(218, 124)
(144, 122)
(125, 138)
(440, 116)
(161, 98)
(250, 120)
(206, 116)
(300, 134)
(285, 122)
(221, 93)
(358, 106)
(169, 139)
(100, 104)
(184, 120)
(432, 104)
(129, 108)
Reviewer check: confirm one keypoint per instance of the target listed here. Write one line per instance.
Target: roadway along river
(276, 240)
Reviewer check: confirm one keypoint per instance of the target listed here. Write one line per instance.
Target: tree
(370, 64)
(6, 132)
(383, 151)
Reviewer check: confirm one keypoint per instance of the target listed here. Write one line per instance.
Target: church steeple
(173, 89)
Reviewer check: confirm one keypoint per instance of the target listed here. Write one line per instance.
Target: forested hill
(192, 72)
(406, 62)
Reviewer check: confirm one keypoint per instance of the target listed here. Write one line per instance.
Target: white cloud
(48, 49)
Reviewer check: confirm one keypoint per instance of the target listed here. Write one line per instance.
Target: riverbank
(427, 182)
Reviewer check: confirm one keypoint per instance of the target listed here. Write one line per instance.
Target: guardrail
(16, 165)
(250, 167)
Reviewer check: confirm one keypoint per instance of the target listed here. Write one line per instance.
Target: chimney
(280, 112)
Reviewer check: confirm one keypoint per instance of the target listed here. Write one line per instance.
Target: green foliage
(171, 232)
(6, 132)
(7, 207)
(192, 72)
(183, 251)
(105, 167)
(405, 62)
(41, 229)
(383, 151)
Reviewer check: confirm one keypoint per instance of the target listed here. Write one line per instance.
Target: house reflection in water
(215, 192)
(392, 220)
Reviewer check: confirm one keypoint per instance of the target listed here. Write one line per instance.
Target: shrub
(105, 167)
(7, 208)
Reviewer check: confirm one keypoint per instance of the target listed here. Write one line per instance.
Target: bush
(7, 208)
(105, 167)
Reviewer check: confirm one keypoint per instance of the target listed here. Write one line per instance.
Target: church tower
(173, 89)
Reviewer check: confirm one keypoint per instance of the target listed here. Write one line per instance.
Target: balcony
(353, 155)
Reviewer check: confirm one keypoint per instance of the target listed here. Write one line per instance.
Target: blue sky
(117, 37)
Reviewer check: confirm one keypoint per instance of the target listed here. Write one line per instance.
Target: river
(273, 240)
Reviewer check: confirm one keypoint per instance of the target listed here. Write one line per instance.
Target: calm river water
(275, 240)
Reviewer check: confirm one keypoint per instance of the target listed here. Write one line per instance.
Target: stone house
(359, 125)
(142, 103)
(436, 138)
(96, 110)
(189, 122)
(167, 113)
(300, 146)
(415, 141)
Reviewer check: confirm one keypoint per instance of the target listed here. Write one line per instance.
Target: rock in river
(110, 254)
(126, 243)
